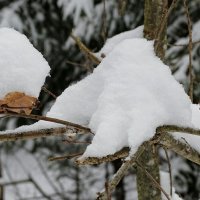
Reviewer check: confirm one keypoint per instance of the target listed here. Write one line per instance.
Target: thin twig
(122, 7)
(104, 26)
(170, 169)
(49, 92)
(76, 64)
(39, 188)
(108, 193)
(44, 172)
(156, 184)
(184, 45)
(177, 129)
(189, 24)
(29, 135)
(163, 24)
(85, 50)
(50, 119)
(121, 172)
(97, 160)
(66, 141)
(180, 148)
(65, 157)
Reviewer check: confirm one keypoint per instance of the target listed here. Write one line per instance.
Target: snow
(112, 42)
(23, 68)
(139, 95)
(192, 140)
(165, 184)
(127, 97)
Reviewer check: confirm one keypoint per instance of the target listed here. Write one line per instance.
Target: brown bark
(154, 13)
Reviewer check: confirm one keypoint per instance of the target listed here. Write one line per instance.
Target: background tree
(48, 25)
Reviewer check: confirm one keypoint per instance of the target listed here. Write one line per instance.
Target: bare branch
(163, 24)
(85, 50)
(170, 169)
(97, 160)
(177, 146)
(184, 45)
(180, 148)
(48, 92)
(121, 172)
(177, 129)
(15, 182)
(70, 125)
(27, 135)
(65, 157)
(189, 24)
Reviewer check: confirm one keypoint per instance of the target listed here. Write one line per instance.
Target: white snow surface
(126, 98)
(115, 40)
(23, 68)
(192, 140)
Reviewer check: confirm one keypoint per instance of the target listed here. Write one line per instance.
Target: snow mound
(127, 97)
(139, 94)
(23, 68)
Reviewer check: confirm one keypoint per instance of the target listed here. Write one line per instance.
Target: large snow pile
(138, 95)
(127, 97)
(23, 68)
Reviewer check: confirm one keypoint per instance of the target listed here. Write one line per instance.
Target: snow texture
(23, 68)
(112, 42)
(127, 97)
(192, 140)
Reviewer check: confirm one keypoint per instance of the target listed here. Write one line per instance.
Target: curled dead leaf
(18, 102)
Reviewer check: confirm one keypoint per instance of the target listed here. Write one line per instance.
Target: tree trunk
(153, 13)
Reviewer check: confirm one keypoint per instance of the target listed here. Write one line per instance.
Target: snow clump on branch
(124, 100)
(23, 68)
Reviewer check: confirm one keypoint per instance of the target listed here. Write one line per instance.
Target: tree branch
(121, 172)
(70, 125)
(97, 160)
(14, 136)
(191, 76)
(163, 24)
(85, 50)
(180, 148)
(178, 129)
(166, 139)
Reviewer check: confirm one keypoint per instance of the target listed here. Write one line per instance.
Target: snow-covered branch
(162, 137)
(184, 150)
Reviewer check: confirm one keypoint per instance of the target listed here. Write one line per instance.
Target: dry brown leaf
(18, 102)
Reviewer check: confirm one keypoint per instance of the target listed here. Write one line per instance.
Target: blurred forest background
(26, 174)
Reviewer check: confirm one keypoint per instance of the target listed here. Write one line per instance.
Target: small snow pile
(23, 68)
(192, 140)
